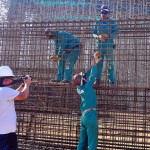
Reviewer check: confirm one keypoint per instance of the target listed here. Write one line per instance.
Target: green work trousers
(88, 133)
(108, 53)
(66, 65)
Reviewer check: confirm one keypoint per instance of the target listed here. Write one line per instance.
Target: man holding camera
(8, 138)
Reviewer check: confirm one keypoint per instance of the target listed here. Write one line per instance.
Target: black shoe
(97, 83)
(54, 80)
(112, 84)
(65, 81)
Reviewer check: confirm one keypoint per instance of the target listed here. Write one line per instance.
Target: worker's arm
(24, 90)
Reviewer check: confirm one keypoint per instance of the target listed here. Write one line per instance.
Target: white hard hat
(5, 71)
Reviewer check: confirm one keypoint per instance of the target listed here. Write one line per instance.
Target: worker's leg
(61, 66)
(12, 141)
(3, 142)
(92, 131)
(99, 68)
(70, 63)
(83, 140)
(111, 73)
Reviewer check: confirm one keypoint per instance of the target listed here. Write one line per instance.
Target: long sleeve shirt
(86, 91)
(108, 27)
(65, 41)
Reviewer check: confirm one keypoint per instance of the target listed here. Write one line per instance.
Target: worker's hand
(27, 80)
(97, 57)
(93, 62)
(103, 37)
(81, 45)
(54, 58)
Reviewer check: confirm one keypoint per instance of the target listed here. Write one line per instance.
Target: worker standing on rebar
(105, 30)
(89, 124)
(8, 138)
(66, 53)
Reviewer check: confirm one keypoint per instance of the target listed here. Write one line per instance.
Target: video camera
(17, 81)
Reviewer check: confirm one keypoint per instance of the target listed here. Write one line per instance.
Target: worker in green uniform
(89, 123)
(105, 30)
(66, 53)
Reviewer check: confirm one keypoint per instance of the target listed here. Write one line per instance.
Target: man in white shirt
(8, 138)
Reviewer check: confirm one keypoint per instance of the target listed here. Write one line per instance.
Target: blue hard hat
(104, 11)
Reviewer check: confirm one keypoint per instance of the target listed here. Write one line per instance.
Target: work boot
(55, 80)
(97, 83)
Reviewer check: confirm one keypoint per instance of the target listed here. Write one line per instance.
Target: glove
(97, 56)
(102, 37)
(54, 58)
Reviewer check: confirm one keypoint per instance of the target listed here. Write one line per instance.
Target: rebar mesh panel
(50, 118)
(45, 10)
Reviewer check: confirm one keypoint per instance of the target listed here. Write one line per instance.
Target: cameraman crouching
(8, 138)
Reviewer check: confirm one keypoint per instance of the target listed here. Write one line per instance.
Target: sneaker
(55, 80)
(65, 81)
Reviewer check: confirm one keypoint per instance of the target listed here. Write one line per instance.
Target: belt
(85, 111)
(70, 49)
(77, 46)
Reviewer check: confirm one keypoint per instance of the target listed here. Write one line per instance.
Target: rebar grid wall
(45, 10)
(49, 119)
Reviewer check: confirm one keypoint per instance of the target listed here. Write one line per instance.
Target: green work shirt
(87, 93)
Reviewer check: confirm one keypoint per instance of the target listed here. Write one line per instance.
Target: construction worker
(8, 138)
(105, 30)
(66, 53)
(89, 123)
